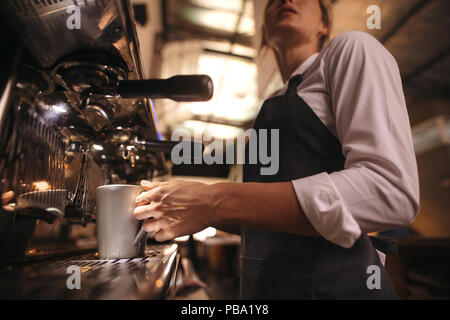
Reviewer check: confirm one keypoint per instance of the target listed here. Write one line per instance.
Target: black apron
(284, 266)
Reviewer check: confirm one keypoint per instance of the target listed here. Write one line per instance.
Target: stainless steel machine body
(75, 114)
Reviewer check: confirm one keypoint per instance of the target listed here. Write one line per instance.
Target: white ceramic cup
(116, 225)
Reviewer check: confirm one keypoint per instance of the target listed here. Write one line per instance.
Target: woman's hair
(327, 17)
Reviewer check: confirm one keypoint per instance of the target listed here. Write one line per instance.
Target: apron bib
(284, 266)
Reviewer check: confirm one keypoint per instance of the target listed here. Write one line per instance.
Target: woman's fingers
(155, 224)
(7, 196)
(165, 230)
(165, 235)
(174, 231)
(152, 210)
(149, 185)
(153, 195)
(175, 208)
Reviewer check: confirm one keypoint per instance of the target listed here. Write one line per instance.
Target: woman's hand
(6, 198)
(178, 208)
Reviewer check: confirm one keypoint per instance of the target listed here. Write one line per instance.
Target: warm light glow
(205, 234)
(41, 185)
(234, 103)
(235, 88)
(223, 20)
(247, 23)
(431, 134)
(85, 269)
(222, 15)
(243, 50)
(59, 108)
(170, 249)
(159, 283)
(228, 5)
(182, 239)
(219, 131)
(97, 147)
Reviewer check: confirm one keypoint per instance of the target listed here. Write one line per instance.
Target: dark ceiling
(177, 26)
(414, 31)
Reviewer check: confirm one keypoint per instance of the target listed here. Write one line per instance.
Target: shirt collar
(304, 66)
(300, 70)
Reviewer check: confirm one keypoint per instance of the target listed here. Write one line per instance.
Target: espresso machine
(76, 113)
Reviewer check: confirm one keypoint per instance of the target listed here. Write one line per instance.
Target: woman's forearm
(178, 208)
(269, 206)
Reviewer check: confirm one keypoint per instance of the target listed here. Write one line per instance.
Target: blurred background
(221, 38)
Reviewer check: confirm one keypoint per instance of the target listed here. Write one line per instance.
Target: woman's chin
(287, 24)
(285, 30)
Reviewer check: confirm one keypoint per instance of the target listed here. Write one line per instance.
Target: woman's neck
(289, 58)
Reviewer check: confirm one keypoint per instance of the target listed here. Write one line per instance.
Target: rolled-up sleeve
(378, 188)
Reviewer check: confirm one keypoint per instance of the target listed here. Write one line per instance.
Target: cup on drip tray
(116, 225)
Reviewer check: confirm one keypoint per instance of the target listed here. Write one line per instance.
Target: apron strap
(294, 82)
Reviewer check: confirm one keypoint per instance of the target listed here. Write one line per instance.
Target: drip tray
(149, 277)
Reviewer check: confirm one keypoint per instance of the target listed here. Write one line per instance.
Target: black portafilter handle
(178, 88)
(166, 146)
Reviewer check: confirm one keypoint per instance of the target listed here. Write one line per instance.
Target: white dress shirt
(353, 85)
